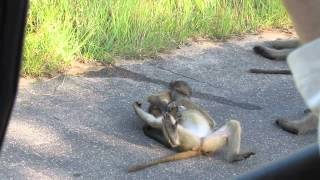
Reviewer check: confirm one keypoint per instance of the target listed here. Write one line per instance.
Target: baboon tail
(174, 157)
(269, 71)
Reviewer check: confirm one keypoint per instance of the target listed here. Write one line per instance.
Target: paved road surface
(83, 127)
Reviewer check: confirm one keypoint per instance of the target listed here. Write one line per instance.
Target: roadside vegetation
(62, 31)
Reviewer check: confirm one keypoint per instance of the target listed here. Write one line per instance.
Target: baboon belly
(196, 123)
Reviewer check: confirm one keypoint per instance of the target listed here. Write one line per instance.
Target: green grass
(60, 31)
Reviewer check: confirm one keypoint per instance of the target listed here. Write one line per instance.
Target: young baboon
(185, 127)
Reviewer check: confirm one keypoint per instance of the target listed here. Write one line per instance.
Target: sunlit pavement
(84, 127)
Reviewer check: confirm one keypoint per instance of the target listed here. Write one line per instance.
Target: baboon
(177, 90)
(279, 50)
(186, 128)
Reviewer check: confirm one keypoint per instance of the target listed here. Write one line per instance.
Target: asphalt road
(84, 127)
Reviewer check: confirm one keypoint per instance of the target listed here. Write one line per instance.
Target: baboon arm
(155, 122)
(188, 104)
(211, 121)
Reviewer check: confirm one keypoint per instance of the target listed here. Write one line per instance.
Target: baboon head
(180, 88)
(158, 103)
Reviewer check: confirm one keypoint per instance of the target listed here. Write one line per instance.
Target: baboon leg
(229, 135)
(234, 141)
(155, 122)
(301, 126)
(285, 44)
(272, 54)
(155, 134)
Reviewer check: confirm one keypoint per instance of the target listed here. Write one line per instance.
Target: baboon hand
(169, 121)
(137, 104)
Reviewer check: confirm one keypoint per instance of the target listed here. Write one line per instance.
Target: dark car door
(12, 24)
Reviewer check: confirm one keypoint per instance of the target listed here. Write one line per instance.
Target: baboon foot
(286, 125)
(242, 156)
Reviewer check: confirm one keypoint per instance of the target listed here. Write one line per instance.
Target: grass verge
(60, 31)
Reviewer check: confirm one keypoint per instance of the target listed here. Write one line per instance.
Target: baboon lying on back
(187, 127)
(159, 103)
(278, 50)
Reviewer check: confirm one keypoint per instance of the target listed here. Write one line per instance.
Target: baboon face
(169, 127)
(155, 110)
(158, 103)
(172, 108)
(181, 87)
(175, 111)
